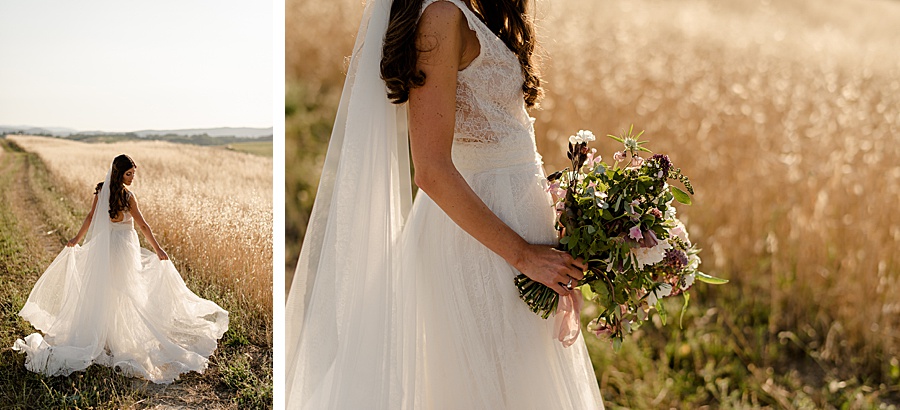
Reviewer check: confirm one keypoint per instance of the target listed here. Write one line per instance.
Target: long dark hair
(506, 18)
(118, 195)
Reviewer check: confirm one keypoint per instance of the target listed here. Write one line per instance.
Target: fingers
(567, 282)
(560, 290)
(578, 274)
(580, 264)
(577, 266)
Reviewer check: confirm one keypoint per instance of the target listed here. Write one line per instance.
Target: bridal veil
(350, 318)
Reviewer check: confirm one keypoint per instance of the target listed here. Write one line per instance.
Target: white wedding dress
(116, 304)
(436, 321)
(482, 347)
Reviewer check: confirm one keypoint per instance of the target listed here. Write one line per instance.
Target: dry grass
(786, 115)
(207, 206)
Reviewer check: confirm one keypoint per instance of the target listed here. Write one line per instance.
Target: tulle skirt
(439, 324)
(123, 308)
(481, 347)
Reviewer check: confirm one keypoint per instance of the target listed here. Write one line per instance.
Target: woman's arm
(144, 227)
(85, 225)
(443, 32)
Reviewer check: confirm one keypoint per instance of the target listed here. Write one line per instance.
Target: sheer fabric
(350, 319)
(116, 304)
(387, 312)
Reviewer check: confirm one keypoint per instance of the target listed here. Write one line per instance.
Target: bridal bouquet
(621, 220)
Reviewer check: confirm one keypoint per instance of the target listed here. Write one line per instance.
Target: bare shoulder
(441, 18)
(442, 9)
(440, 36)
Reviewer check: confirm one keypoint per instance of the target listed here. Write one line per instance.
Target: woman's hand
(162, 255)
(551, 267)
(72, 242)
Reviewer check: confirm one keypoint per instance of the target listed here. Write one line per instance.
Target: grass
(21, 256)
(208, 206)
(36, 218)
(784, 115)
(309, 114)
(261, 148)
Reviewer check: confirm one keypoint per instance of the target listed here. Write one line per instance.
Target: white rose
(650, 256)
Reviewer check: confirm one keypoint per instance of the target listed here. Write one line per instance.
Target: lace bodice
(493, 129)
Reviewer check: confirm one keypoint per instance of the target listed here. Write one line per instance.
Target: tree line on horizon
(197, 139)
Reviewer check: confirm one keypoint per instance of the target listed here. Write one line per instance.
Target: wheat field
(786, 116)
(208, 207)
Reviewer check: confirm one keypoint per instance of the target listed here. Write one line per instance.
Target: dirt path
(35, 223)
(25, 205)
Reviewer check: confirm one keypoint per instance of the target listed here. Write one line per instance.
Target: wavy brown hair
(118, 194)
(506, 18)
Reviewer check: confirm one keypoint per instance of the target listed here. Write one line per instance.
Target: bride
(116, 304)
(414, 307)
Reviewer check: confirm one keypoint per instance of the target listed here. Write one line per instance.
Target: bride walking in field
(113, 303)
(399, 305)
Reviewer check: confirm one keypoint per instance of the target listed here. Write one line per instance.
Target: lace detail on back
(492, 128)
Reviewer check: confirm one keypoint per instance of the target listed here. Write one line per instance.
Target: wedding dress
(483, 347)
(116, 304)
(388, 312)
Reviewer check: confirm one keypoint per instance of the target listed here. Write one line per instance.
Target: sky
(113, 65)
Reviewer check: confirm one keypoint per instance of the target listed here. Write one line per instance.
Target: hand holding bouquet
(621, 220)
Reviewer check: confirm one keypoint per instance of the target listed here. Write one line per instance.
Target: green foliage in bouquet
(621, 220)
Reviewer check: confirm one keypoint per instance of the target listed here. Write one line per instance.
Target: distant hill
(210, 132)
(28, 129)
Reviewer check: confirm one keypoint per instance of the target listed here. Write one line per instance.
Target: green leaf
(687, 298)
(617, 344)
(712, 280)
(564, 240)
(662, 311)
(680, 195)
(602, 291)
(587, 292)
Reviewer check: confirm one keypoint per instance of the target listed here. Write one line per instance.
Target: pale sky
(115, 65)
